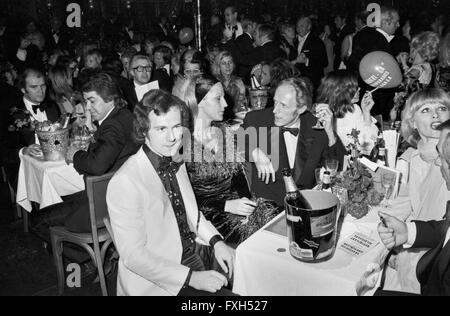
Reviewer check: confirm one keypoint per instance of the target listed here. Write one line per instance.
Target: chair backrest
(96, 191)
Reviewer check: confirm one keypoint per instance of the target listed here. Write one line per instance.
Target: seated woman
(339, 89)
(223, 69)
(424, 112)
(214, 164)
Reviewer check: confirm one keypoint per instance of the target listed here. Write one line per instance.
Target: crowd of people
(137, 93)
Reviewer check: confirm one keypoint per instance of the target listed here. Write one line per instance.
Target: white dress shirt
(40, 116)
(301, 42)
(100, 122)
(142, 90)
(291, 144)
(388, 37)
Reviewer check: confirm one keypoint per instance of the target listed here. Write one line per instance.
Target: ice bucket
(312, 233)
(54, 144)
(259, 98)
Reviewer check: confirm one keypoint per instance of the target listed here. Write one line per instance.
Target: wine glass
(332, 166)
(318, 173)
(388, 183)
(315, 112)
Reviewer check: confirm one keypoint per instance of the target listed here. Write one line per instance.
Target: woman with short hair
(424, 112)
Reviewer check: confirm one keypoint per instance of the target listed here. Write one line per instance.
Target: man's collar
(304, 37)
(388, 37)
(266, 42)
(28, 103)
(106, 116)
(249, 35)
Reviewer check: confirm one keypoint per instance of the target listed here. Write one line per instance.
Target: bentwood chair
(96, 190)
(12, 194)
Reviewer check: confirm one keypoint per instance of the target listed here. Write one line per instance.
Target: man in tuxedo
(266, 49)
(141, 68)
(58, 35)
(291, 141)
(34, 106)
(342, 30)
(162, 57)
(433, 270)
(112, 145)
(155, 217)
(233, 28)
(244, 44)
(312, 56)
(381, 38)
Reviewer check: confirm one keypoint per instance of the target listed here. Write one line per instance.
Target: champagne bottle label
(323, 225)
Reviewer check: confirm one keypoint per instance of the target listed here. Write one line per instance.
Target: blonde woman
(223, 69)
(428, 195)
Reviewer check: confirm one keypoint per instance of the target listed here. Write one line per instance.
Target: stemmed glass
(315, 112)
(332, 166)
(388, 183)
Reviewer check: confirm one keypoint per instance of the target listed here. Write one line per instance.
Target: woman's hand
(367, 105)
(242, 207)
(263, 165)
(325, 116)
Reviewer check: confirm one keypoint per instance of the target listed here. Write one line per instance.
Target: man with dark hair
(291, 141)
(111, 146)
(312, 55)
(433, 269)
(244, 44)
(162, 57)
(155, 217)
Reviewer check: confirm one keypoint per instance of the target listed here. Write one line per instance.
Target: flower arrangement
(22, 119)
(358, 181)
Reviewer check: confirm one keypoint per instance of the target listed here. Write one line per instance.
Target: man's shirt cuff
(412, 235)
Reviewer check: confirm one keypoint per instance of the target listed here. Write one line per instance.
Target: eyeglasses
(142, 68)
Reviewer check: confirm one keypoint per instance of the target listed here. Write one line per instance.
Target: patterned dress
(217, 175)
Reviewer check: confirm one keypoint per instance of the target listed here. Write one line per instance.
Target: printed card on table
(358, 245)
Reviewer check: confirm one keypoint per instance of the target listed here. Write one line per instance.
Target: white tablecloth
(46, 182)
(262, 270)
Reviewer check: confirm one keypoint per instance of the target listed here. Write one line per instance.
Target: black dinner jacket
(164, 79)
(129, 93)
(315, 50)
(268, 53)
(26, 136)
(112, 146)
(312, 151)
(244, 44)
(433, 269)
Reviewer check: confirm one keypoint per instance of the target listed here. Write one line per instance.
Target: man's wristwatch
(215, 240)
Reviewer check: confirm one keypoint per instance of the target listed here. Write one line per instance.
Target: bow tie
(35, 107)
(167, 165)
(293, 131)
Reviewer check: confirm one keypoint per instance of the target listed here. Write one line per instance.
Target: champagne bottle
(326, 186)
(376, 149)
(293, 195)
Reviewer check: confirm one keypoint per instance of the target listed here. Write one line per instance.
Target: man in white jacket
(159, 232)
